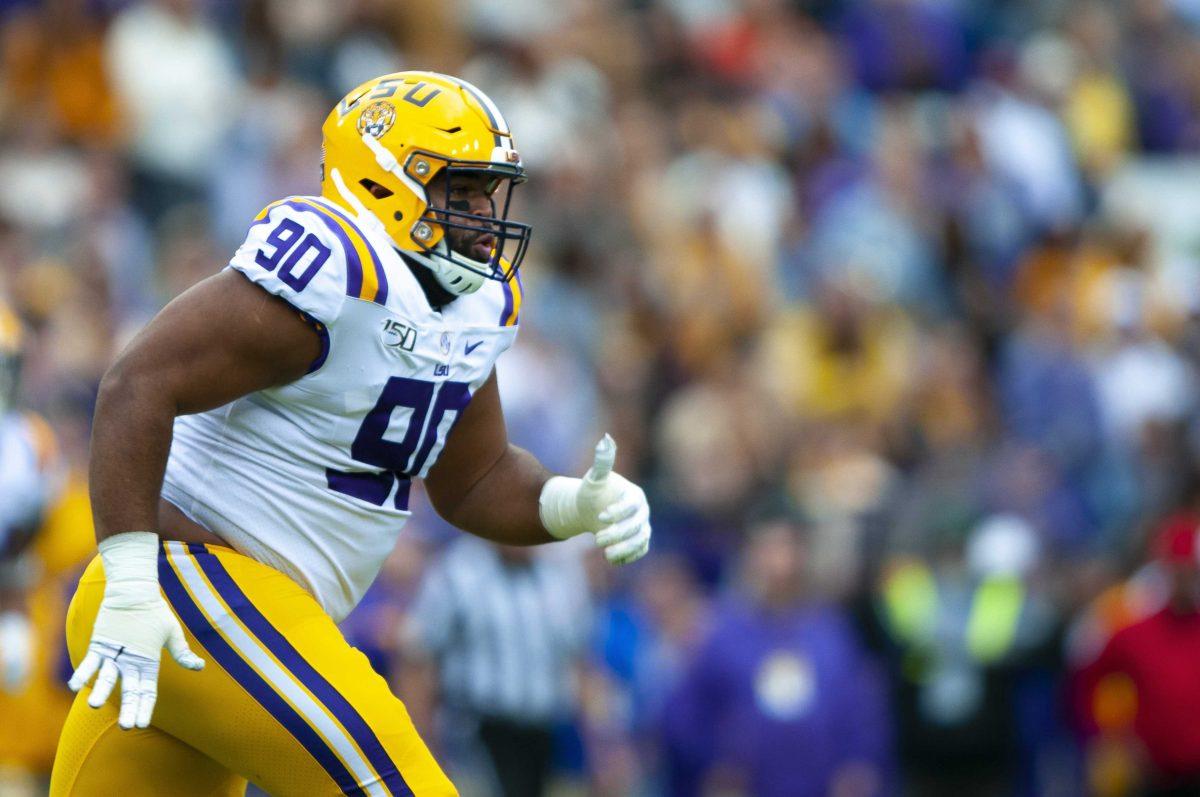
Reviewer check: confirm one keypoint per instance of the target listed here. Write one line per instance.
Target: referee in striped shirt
(500, 630)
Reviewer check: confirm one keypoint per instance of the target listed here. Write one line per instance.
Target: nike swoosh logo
(470, 347)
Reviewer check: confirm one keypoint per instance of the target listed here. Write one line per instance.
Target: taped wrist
(130, 566)
(559, 508)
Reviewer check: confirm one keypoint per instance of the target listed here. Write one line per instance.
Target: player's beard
(474, 245)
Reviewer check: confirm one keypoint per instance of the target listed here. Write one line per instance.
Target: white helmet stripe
(489, 107)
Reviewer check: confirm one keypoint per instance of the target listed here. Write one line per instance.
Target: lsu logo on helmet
(377, 118)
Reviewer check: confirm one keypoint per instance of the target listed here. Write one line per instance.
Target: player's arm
(222, 339)
(483, 484)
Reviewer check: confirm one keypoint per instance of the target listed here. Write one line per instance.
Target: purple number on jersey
(283, 239)
(372, 448)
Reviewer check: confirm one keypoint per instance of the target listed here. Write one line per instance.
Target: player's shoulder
(358, 254)
(314, 253)
(318, 215)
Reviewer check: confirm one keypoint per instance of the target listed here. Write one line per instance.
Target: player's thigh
(284, 700)
(208, 710)
(270, 637)
(96, 757)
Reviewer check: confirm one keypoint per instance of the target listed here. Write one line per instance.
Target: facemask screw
(422, 168)
(423, 232)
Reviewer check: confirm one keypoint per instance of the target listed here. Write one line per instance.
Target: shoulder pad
(313, 255)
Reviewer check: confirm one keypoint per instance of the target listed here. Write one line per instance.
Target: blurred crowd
(892, 305)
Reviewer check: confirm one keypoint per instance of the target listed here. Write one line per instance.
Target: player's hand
(132, 627)
(602, 502)
(16, 651)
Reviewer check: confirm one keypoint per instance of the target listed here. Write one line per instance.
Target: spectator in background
(53, 71)
(842, 356)
(28, 484)
(719, 447)
(31, 699)
(1138, 700)
(1097, 109)
(495, 635)
(178, 84)
(909, 45)
(781, 700)
(870, 235)
(1163, 93)
(644, 640)
(1024, 142)
(962, 631)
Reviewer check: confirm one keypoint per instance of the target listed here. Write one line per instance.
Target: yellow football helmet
(389, 138)
(11, 341)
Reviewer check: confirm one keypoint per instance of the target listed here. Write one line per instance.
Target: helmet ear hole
(375, 189)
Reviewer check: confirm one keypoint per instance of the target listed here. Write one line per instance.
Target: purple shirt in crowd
(784, 699)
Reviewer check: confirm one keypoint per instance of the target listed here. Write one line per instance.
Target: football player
(39, 541)
(253, 451)
(26, 454)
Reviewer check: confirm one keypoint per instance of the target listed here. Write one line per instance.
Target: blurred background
(892, 305)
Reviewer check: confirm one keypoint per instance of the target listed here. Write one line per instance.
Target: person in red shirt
(1140, 698)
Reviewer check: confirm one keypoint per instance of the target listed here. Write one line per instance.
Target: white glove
(602, 502)
(131, 629)
(16, 651)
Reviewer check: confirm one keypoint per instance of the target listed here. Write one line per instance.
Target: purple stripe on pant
(251, 681)
(324, 691)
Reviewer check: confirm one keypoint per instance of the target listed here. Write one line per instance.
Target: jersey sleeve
(300, 251)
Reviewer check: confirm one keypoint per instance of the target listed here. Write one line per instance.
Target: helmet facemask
(485, 245)
(440, 231)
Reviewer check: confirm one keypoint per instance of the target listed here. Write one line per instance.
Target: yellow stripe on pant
(284, 700)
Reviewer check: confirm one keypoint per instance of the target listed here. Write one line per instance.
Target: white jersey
(313, 477)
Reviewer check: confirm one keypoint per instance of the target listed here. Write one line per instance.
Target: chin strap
(437, 296)
(455, 279)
